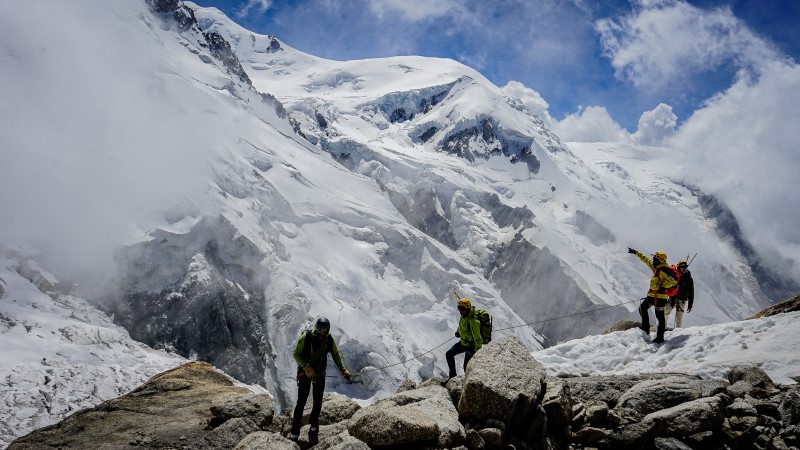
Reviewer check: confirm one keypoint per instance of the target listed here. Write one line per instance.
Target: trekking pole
(456, 294)
(689, 262)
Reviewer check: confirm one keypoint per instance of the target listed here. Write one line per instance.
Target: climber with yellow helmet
(663, 280)
(469, 330)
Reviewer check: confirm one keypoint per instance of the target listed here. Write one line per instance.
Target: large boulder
(607, 388)
(424, 416)
(789, 408)
(753, 375)
(686, 419)
(192, 406)
(340, 441)
(264, 440)
(503, 381)
(557, 404)
(652, 395)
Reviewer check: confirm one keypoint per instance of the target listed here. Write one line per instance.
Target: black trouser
(303, 388)
(662, 322)
(458, 349)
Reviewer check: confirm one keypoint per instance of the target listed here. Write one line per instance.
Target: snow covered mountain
(248, 188)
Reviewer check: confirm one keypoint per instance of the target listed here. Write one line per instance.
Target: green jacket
(469, 328)
(313, 349)
(658, 280)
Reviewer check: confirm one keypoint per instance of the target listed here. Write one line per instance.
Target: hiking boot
(294, 437)
(658, 340)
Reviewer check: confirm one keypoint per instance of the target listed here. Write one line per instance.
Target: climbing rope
(373, 369)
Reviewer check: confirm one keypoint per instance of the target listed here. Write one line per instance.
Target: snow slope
(707, 351)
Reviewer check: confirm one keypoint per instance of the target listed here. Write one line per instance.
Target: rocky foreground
(505, 401)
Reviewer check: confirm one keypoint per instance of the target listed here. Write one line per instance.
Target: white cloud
(743, 147)
(529, 97)
(413, 10)
(656, 125)
(591, 124)
(664, 41)
(259, 6)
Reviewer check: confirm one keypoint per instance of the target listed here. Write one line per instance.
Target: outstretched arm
(642, 257)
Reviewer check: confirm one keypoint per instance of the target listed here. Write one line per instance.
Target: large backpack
(486, 324)
(673, 273)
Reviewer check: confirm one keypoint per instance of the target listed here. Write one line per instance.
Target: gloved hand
(346, 374)
(309, 372)
(630, 250)
(458, 335)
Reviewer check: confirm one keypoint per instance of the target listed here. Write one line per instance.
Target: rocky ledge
(504, 401)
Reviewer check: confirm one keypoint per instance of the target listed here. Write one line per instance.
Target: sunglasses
(322, 331)
(462, 308)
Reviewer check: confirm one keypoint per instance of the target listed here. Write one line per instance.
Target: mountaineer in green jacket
(663, 279)
(311, 354)
(469, 330)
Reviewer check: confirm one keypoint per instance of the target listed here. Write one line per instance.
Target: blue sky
(626, 56)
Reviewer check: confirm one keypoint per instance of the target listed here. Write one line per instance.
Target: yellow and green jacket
(659, 281)
(313, 349)
(469, 328)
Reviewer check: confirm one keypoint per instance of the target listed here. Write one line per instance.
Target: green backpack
(486, 324)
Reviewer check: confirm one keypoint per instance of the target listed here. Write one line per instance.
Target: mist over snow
(743, 147)
(105, 140)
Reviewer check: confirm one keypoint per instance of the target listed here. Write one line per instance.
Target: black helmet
(322, 324)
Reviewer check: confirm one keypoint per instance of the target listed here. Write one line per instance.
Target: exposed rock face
(191, 406)
(205, 306)
(789, 305)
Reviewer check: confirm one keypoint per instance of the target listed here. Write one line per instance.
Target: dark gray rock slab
(653, 395)
(265, 440)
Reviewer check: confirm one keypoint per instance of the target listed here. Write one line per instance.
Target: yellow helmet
(464, 303)
(681, 263)
(660, 256)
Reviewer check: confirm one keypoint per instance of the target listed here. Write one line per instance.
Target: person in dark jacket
(311, 354)
(684, 299)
